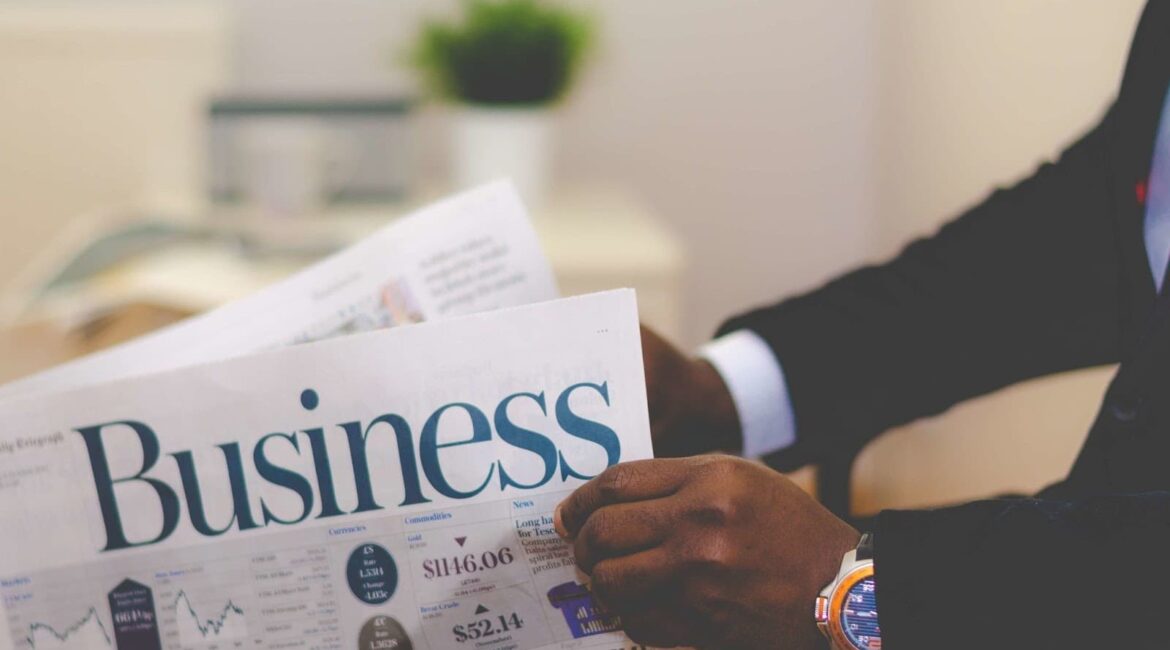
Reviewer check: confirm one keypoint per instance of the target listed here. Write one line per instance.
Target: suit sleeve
(1024, 284)
(1026, 573)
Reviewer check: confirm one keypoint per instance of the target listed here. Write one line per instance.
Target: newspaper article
(391, 490)
(473, 252)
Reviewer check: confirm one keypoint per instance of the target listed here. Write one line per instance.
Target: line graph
(227, 623)
(88, 632)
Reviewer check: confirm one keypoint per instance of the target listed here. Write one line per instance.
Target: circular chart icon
(372, 574)
(383, 633)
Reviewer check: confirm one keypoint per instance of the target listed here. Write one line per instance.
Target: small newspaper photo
(387, 490)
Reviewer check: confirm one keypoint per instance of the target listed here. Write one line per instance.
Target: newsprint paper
(390, 490)
(470, 253)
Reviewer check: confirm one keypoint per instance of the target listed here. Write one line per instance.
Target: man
(1061, 271)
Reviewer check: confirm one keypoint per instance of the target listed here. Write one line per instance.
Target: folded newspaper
(389, 490)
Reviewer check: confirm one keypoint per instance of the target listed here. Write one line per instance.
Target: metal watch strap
(865, 547)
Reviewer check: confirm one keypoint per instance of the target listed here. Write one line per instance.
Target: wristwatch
(846, 610)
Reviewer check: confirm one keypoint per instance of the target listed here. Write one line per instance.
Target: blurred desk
(594, 240)
(34, 346)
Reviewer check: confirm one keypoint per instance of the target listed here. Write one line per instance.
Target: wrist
(715, 406)
(751, 375)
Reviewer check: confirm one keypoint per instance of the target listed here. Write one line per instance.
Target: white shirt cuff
(756, 381)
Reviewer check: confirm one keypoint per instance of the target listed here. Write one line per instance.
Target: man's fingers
(623, 483)
(620, 529)
(665, 626)
(634, 583)
(655, 354)
(647, 591)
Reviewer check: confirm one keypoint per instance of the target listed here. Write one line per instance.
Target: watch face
(859, 619)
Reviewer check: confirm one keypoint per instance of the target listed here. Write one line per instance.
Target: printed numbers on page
(466, 564)
(486, 627)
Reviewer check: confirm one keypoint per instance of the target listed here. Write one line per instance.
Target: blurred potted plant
(505, 63)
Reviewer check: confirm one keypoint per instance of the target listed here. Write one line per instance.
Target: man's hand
(691, 411)
(711, 551)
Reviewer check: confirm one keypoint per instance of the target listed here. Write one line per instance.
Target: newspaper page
(391, 490)
(473, 252)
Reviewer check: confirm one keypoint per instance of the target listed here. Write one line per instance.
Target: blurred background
(158, 159)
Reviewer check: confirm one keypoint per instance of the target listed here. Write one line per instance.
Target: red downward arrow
(460, 540)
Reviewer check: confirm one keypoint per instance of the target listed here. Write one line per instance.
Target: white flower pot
(493, 143)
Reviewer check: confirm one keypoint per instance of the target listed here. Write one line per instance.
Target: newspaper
(390, 490)
(472, 252)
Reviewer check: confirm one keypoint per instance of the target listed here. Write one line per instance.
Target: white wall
(101, 108)
(744, 123)
(323, 47)
(977, 93)
(748, 125)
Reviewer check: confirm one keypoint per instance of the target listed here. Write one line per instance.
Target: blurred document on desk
(387, 490)
(470, 253)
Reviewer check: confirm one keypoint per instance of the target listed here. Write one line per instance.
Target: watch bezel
(837, 599)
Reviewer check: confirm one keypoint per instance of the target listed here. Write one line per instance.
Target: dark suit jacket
(1047, 276)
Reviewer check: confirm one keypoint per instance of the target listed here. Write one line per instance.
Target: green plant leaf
(504, 52)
